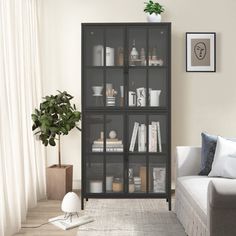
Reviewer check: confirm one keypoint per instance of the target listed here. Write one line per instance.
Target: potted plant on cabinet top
(154, 10)
(56, 116)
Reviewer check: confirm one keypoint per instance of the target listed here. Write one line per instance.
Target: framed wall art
(200, 52)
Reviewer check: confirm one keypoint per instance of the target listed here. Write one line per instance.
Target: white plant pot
(154, 17)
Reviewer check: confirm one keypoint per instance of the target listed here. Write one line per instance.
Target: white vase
(155, 98)
(154, 17)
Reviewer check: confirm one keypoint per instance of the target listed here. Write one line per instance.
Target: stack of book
(137, 184)
(112, 145)
(154, 136)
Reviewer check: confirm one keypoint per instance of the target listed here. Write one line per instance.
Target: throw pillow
(207, 152)
(224, 164)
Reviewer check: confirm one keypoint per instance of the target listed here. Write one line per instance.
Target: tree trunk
(59, 152)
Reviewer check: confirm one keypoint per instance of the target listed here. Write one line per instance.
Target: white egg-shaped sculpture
(112, 134)
(70, 203)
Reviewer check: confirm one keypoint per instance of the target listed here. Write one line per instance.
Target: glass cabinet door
(104, 85)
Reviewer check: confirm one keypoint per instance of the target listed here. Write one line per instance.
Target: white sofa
(204, 205)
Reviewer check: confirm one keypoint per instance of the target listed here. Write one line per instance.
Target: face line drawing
(200, 50)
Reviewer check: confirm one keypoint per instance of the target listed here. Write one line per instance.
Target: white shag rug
(130, 217)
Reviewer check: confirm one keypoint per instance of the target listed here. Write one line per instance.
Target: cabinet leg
(82, 203)
(167, 200)
(169, 203)
(86, 199)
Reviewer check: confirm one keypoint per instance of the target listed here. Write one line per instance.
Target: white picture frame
(200, 52)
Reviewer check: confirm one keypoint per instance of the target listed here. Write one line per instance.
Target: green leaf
(46, 143)
(68, 127)
(34, 117)
(34, 127)
(52, 142)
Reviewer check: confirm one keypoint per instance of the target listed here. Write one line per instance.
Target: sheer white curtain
(22, 163)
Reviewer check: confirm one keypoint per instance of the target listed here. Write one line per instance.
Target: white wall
(200, 101)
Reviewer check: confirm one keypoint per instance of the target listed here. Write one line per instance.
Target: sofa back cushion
(207, 152)
(224, 163)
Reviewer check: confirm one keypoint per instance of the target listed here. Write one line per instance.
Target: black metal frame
(126, 111)
(186, 51)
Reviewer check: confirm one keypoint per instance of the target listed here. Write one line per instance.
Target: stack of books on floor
(112, 145)
(139, 135)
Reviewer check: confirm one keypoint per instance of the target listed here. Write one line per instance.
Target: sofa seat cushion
(195, 190)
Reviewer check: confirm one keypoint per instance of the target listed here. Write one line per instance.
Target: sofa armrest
(221, 207)
(188, 160)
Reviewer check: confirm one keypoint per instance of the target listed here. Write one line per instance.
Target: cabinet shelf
(129, 67)
(127, 103)
(128, 109)
(107, 153)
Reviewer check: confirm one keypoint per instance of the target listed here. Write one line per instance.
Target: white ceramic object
(132, 98)
(112, 134)
(98, 55)
(110, 55)
(154, 17)
(70, 203)
(141, 97)
(155, 98)
(95, 186)
(109, 181)
(97, 90)
(122, 91)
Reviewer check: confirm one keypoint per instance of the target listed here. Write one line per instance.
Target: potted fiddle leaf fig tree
(154, 10)
(56, 116)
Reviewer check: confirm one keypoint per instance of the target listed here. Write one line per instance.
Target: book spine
(114, 149)
(101, 146)
(108, 143)
(150, 145)
(145, 138)
(142, 138)
(95, 149)
(159, 136)
(139, 139)
(155, 137)
(134, 136)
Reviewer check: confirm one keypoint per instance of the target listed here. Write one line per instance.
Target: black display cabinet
(126, 110)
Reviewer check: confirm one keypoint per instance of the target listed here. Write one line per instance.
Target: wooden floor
(40, 214)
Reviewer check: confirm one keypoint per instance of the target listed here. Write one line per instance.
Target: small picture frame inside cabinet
(200, 52)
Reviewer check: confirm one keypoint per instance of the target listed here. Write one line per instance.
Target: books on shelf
(139, 135)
